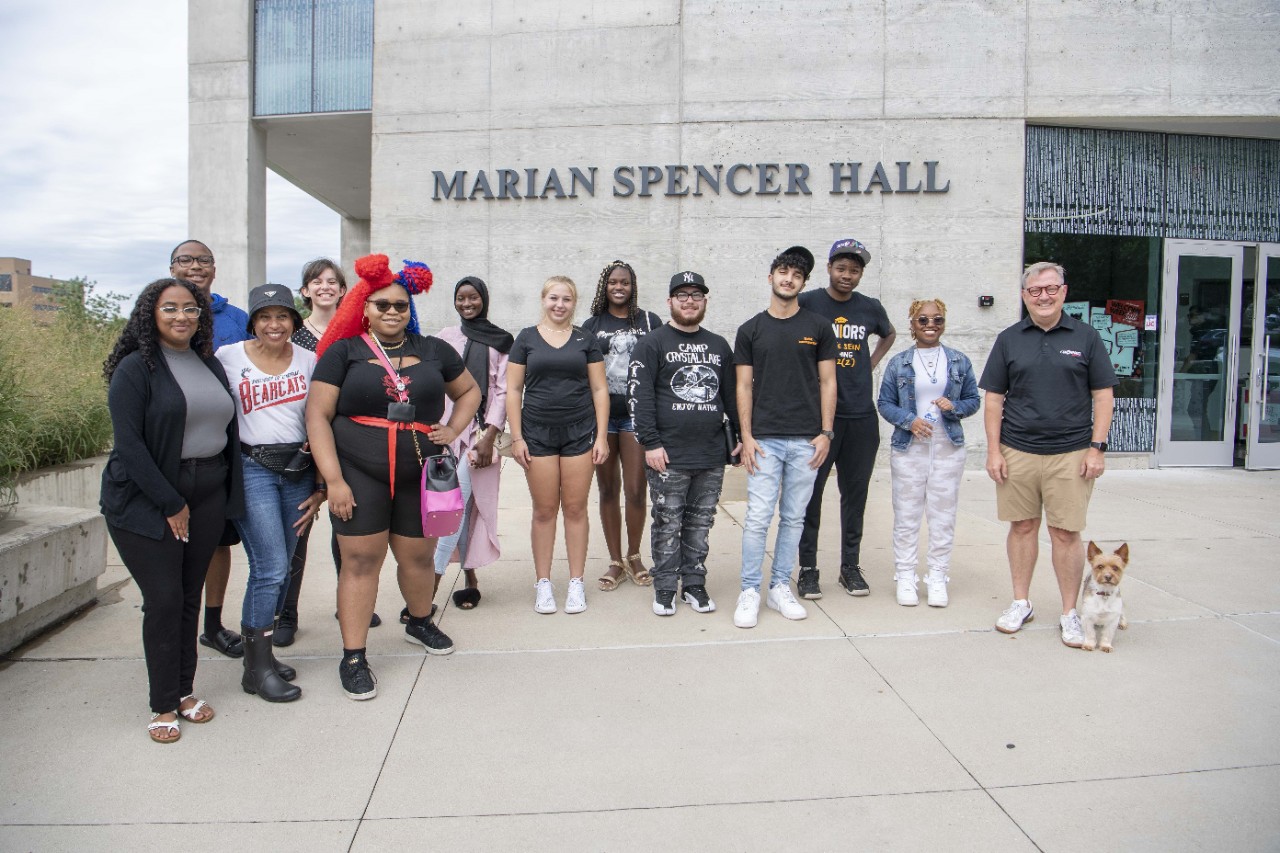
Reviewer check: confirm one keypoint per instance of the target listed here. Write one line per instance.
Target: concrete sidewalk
(868, 726)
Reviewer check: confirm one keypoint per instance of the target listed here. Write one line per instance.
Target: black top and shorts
(558, 416)
(364, 391)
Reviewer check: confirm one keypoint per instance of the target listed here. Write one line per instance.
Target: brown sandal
(608, 583)
(641, 577)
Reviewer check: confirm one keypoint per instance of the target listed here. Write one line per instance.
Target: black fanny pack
(291, 460)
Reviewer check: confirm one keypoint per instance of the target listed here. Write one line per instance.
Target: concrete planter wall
(53, 547)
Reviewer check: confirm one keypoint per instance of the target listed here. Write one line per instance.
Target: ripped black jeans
(683, 507)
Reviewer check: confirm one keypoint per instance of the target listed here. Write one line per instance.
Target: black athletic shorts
(571, 439)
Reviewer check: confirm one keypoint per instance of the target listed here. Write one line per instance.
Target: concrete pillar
(226, 202)
(354, 241)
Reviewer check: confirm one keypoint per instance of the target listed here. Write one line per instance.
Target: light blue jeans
(270, 511)
(446, 544)
(783, 479)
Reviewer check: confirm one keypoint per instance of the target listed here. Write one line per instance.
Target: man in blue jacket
(193, 261)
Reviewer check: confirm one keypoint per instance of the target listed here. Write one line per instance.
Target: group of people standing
(234, 427)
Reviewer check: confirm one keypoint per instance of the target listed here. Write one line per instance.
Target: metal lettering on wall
(1132, 183)
(677, 181)
(1133, 427)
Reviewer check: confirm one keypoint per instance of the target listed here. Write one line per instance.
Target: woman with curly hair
(172, 480)
(377, 379)
(618, 323)
(925, 392)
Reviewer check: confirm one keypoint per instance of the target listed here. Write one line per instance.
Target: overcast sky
(93, 150)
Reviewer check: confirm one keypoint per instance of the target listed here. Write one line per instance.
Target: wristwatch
(1099, 445)
(830, 434)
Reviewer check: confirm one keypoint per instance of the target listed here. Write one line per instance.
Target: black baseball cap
(804, 254)
(851, 247)
(686, 279)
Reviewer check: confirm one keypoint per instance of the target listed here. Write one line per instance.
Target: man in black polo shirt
(1049, 402)
(855, 318)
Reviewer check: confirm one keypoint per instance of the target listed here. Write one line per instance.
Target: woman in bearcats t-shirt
(269, 377)
(558, 409)
(369, 426)
(618, 323)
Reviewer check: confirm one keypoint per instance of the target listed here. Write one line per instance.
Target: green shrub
(53, 401)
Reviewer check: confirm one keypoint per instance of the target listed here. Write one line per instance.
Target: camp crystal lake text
(847, 178)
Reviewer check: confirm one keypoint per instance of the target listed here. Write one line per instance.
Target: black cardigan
(148, 418)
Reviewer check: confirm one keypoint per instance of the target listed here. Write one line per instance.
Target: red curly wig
(375, 273)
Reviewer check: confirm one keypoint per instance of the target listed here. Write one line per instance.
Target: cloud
(93, 160)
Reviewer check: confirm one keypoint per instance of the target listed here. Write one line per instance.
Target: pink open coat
(482, 524)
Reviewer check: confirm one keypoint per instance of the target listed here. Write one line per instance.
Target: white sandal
(193, 713)
(155, 725)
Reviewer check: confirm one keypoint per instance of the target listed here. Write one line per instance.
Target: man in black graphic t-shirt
(681, 390)
(854, 319)
(785, 359)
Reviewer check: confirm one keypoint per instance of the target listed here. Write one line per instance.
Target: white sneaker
(937, 582)
(1015, 616)
(748, 608)
(782, 600)
(576, 600)
(1072, 630)
(907, 595)
(545, 601)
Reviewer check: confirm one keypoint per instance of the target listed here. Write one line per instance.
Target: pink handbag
(441, 495)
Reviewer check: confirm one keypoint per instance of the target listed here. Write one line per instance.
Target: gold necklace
(387, 346)
(554, 329)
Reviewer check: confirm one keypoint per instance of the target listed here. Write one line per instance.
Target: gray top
(209, 405)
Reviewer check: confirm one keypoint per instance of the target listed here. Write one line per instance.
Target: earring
(364, 323)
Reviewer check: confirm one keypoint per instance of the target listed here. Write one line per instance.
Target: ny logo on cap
(688, 278)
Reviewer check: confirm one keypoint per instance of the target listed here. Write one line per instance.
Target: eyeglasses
(686, 296)
(188, 260)
(172, 310)
(931, 321)
(1051, 289)
(382, 306)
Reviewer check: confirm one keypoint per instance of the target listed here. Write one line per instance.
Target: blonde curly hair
(915, 309)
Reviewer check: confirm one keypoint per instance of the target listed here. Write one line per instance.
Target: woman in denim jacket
(925, 392)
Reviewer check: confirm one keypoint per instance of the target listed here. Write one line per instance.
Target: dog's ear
(1094, 550)
(1122, 552)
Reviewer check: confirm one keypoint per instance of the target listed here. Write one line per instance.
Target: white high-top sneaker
(936, 582)
(907, 595)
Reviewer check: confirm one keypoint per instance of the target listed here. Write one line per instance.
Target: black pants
(853, 452)
(299, 565)
(170, 575)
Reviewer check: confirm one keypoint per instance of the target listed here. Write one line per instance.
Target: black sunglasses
(382, 306)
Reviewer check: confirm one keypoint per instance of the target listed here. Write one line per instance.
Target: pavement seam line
(1126, 778)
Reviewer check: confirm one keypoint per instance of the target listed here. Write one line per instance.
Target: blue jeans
(270, 511)
(446, 544)
(783, 472)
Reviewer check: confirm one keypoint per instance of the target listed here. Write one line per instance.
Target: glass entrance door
(1261, 412)
(1199, 340)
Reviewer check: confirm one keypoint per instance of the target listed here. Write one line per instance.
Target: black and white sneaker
(852, 581)
(697, 598)
(358, 681)
(808, 583)
(664, 602)
(427, 635)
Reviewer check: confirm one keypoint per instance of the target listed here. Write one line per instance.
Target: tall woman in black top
(617, 323)
(368, 429)
(171, 481)
(558, 410)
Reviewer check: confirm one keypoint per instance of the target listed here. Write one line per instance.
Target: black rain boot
(283, 670)
(260, 676)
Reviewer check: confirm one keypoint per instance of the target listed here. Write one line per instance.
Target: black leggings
(299, 565)
(170, 575)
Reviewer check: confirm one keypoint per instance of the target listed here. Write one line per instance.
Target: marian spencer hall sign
(846, 178)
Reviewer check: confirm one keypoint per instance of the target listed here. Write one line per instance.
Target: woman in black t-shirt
(618, 323)
(558, 410)
(368, 428)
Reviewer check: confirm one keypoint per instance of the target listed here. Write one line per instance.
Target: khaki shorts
(1051, 484)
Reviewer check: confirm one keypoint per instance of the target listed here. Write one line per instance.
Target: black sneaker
(697, 598)
(286, 627)
(852, 581)
(664, 602)
(357, 679)
(808, 583)
(431, 638)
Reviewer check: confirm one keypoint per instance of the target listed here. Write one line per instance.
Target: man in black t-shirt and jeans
(786, 368)
(854, 318)
(681, 389)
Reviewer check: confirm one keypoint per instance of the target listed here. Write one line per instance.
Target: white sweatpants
(926, 483)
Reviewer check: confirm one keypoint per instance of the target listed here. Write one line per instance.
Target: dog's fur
(1100, 608)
